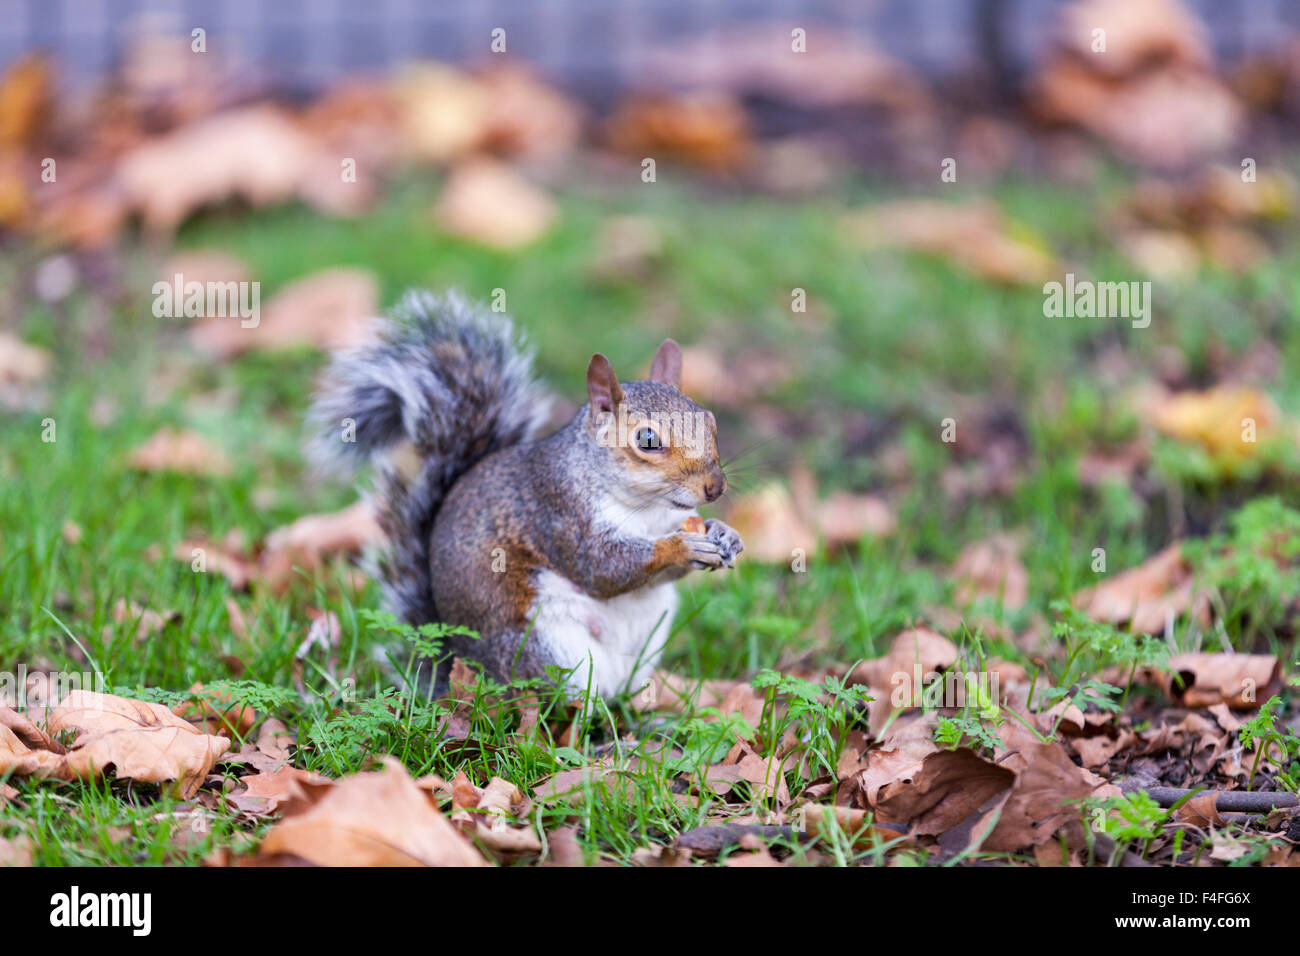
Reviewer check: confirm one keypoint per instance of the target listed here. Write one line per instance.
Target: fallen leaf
(138, 739)
(16, 851)
(1045, 780)
(330, 309)
(1217, 420)
(705, 129)
(1242, 681)
(255, 153)
(371, 819)
(486, 201)
(992, 569)
(183, 452)
(973, 236)
(897, 680)
(1148, 596)
(265, 792)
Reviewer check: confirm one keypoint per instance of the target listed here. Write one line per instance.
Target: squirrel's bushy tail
(448, 377)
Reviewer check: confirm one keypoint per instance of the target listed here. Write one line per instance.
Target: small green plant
(1128, 819)
(818, 714)
(1263, 733)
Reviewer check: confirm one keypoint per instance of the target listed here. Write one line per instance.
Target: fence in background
(590, 46)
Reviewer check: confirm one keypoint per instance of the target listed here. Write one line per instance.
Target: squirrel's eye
(647, 438)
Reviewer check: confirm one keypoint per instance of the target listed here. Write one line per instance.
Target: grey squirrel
(559, 551)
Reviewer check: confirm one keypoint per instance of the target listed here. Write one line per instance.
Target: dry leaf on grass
(489, 813)
(1242, 681)
(1045, 780)
(992, 569)
(947, 788)
(1218, 420)
(312, 537)
(265, 792)
(184, 452)
(16, 851)
(973, 236)
(823, 821)
(487, 202)
(331, 309)
(705, 129)
(917, 653)
(777, 524)
(257, 154)
(1148, 596)
(137, 739)
(21, 364)
(305, 544)
(370, 819)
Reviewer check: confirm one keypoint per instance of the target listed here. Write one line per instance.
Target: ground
(891, 344)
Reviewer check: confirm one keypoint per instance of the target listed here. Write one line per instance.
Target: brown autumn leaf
(839, 69)
(138, 739)
(257, 153)
(1045, 779)
(313, 537)
(770, 525)
(1138, 33)
(733, 380)
(19, 758)
(1147, 596)
(487, 202)
(676, 692)
(1232, 423)
(378, 818)
(27, 732)
(488, 814)
(949, 787)
(898, 679)
(184, 452)
(443, 113)
(992, 569)
(527, 117)
(330, 309)
(26, 93)
(1242, 681)
(266, 791)
(21, 365)
(973, 236)
(909, 740)
(822, 820)
(845, 518)
(146, 620)
(706, 129)
(217, 558)
(16, 851)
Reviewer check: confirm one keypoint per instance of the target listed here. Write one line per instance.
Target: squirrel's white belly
(615, 644)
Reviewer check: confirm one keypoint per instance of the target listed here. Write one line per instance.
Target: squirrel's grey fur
(448, 376)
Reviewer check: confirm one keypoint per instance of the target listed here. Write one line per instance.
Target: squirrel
(559, 551)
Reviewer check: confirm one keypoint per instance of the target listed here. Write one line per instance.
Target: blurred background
(847, 213)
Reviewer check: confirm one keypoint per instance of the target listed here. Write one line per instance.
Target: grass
(891, 344)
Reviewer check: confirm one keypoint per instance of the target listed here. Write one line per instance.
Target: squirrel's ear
(603, 389)
(667, 366)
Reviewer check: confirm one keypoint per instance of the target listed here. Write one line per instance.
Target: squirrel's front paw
(726, 538)
(700, 551)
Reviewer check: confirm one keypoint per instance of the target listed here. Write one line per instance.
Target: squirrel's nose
(715, 486)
